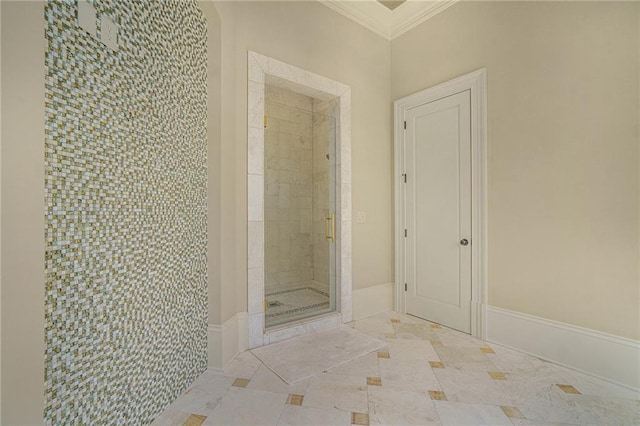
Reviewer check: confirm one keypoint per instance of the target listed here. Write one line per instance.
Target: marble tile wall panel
(323, 206)
(288, 187)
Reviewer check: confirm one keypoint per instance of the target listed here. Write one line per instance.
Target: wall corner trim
(612, 358)
(227, 340)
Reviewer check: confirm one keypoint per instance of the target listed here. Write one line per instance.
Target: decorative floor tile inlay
(487, 350)
(294, 399)
(512, 412)
(436, 364)
(437, 395)
(241, 383)
(436, 326)
(383, 354)
(125, 179)
(497, 375)
(569, 389)
(374, 381)
(395, 321)
(360, 419)
(195, 420)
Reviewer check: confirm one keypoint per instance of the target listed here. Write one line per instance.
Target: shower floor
(295, 302)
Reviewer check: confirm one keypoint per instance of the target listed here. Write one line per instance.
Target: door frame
(263, 70)
(476, 83)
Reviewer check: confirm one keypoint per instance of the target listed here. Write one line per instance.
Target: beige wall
(311, 36)
(22, 168)
(214, 160)
(563, 149)
(230, 231)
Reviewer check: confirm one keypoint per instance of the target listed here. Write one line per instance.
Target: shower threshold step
(288, 330)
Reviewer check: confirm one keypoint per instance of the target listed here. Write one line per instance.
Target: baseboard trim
(227, 340)
(371, 301)
(612, 358)
(243, 332)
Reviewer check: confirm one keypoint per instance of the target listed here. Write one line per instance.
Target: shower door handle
(330, 228)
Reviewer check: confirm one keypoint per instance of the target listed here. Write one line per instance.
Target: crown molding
(412, 13)
(389, 24)
(370, 14)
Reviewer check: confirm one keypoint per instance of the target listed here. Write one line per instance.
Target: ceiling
(391, 4)
(389, 18)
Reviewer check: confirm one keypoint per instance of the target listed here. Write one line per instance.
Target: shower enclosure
(299, 206)
(298, 202)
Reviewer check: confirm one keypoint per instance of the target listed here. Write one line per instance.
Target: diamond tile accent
(436, 364)
(497, 375)
(395, 321)
(195, 420)
(294, 399)
(487, 350)
(435, 326)
(512, 412)
(360, 419)
(125, 211)
(374, 381)
(383, 354)
(437, 395)
(569, 389)
(241, 383)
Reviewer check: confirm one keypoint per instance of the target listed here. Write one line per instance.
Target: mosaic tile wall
(126, 287)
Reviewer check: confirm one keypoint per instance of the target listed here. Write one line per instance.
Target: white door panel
(438, 211)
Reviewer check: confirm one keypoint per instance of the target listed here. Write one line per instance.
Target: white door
(438, 211)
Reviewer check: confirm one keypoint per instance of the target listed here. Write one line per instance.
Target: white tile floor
(427, 375)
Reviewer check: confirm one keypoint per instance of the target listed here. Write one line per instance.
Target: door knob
(464, 242)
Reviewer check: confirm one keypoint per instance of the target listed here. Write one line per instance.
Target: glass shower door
(332, 211)
(299, 207)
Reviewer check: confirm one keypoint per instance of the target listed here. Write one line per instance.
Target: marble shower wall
(324, 155)
(288, 187)
(296, 187)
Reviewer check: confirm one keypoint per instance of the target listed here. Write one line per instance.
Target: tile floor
(297, 301)
(427, 375)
